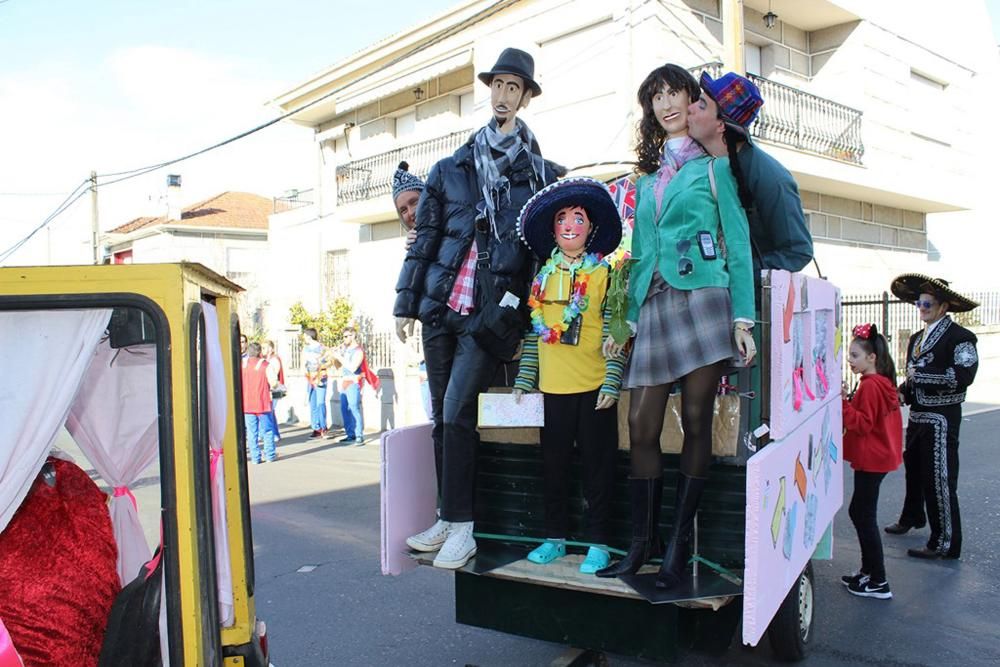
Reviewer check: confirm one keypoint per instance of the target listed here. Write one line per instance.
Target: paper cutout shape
(793, 513)
(779, 508)
(800, 477)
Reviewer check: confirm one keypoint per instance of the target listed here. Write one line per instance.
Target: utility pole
(94, 227)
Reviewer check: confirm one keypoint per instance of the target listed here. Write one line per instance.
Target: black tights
(645, 423)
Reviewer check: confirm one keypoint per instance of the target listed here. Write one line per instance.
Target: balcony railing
(372, 176)
(802, 120)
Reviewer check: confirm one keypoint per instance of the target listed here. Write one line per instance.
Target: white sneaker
(431, 539)
(458, 548)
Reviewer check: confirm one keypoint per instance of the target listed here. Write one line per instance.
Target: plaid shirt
(461, 299)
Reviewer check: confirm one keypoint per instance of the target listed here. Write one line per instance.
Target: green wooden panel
(509, 501)
(574, 618)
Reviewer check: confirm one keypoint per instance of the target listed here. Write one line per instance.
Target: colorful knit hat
(738, 98)
(403, 180)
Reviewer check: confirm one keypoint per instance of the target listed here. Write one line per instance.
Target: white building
(227, 233)
(869, 104)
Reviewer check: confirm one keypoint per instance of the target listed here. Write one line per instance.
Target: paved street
(318, 505)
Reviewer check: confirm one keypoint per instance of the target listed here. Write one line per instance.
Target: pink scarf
(670, 163)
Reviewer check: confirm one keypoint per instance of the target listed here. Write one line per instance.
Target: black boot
(647, 497)
(689, 491)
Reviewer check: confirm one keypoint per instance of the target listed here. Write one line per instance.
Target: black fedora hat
(535, 222)
(518, 63)
(909, 287)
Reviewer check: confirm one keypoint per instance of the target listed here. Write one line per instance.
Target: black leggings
(645, 423)
(863, 510)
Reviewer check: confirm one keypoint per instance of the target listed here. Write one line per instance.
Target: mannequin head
(571, 227)
(508, 95)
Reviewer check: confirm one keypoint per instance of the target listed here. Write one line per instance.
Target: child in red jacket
(873, 443)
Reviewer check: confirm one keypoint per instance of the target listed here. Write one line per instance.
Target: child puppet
(570, 225)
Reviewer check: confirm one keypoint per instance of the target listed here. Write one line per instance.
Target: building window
(337, 275)
(123, 257)
(751, 56)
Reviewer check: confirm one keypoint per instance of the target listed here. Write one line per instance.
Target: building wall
(918, 97)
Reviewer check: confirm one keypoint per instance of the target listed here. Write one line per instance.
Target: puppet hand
(411, 236)
(604, 402)
(518, 393)
(745, 344)
(404, 327)
(611, 349)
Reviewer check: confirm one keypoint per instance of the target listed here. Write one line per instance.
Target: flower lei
(578, 298)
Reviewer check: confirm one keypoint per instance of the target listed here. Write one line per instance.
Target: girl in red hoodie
(873, 443)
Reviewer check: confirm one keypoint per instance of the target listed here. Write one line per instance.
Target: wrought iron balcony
(802, 120)
(371, 177)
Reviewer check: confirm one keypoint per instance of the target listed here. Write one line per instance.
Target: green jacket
(689, 207)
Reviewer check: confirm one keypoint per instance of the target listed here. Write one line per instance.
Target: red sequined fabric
(58, 573)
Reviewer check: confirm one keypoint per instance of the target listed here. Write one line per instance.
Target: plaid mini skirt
(679, 331)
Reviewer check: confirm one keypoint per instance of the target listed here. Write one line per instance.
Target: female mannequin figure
(692, 305)
(569, 226)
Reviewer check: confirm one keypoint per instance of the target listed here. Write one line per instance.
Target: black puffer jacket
(446, 218)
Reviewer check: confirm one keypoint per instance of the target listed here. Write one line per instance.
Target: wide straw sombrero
(537, 215)
(909, 287)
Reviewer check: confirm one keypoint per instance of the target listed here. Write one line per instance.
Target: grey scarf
(494, 153)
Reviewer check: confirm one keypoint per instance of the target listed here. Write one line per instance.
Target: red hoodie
(873, 426)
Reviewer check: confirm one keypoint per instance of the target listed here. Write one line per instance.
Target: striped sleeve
(614, 368)
(527, 371)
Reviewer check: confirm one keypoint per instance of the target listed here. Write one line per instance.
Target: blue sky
(114, 84)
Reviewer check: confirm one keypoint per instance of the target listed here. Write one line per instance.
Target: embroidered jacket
(943, 366)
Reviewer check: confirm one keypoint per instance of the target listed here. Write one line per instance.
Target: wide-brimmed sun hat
(538, 214)
(738, 98)
(516, 62)
(909, 287)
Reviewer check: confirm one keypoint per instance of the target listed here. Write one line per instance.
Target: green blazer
(688, 208)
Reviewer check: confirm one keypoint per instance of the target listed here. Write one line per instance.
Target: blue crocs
(597, 559)
(547, 552)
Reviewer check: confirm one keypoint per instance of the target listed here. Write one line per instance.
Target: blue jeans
(273, 421)
(350, 410)
(317, 407)
(259, 426)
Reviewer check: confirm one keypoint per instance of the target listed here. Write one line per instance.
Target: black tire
(792, 628)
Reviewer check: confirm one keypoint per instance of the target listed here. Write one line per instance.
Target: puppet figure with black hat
(569, 226)
(941, 363)
(456, 278)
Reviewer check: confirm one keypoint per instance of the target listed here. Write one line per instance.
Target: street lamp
(770, 18)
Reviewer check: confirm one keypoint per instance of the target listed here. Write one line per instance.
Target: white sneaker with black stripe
(867, 588)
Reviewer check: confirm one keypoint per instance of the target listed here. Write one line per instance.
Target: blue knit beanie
(403, 180)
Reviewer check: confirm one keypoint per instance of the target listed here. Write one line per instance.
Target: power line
(70, 199)
(472, 20)
(118, 177)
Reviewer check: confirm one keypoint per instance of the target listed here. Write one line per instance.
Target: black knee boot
(647, 496)
(689, 491)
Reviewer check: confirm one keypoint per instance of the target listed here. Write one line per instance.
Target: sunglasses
(684, 265)
(919, 303)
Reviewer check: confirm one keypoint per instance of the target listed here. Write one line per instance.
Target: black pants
(572, 418)
(458, 370)
(931, 461)
(863, 512)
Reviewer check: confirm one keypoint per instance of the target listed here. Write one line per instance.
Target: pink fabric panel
(409, 492)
